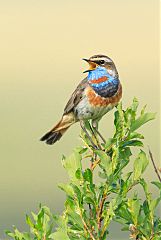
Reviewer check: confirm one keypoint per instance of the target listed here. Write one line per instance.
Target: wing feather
(76, 96)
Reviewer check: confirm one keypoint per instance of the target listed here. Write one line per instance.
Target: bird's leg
(87, 134)
(95, 136)
(95, 126)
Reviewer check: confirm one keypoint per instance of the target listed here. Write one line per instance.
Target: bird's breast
(96, 100)
(99, 97)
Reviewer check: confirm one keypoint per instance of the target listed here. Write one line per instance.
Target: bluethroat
(95, 95)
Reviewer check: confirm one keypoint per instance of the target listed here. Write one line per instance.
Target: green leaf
(59, 235)
(17, 234)
(27, 236)
(130, 112)
(34, 216)
(78, 174)
(124, 213)
(61, 222)
(127, 176)
(88, 176)
(140, 165)
(89, 200)
(146, 190)
(132, 143)
(119, 122)
(78, 193)
(109, 143)
(125, 153)
(154, 203)
(157, 184)
(136, 135)
(106, 162)
(75, 218)
(102, 175)
(72, 163)
(70, 204)
(29, 222)
(144, 118)
(135, 105)
(115, 158)
(66, 188)
(157, 237)
(10, 234)
(146, 207)
(134, 209)
(81, 150)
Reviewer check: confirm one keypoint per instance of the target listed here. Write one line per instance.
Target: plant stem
(104, 196)
(94, 164)
(86, 227)
(155, 168)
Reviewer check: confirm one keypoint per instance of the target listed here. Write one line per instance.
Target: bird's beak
(92, 65)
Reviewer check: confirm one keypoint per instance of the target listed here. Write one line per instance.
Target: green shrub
(92, 205)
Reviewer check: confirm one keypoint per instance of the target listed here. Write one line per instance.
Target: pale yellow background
(41, 47)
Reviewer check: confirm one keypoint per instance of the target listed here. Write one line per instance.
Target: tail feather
(52, 136)
(57, 132)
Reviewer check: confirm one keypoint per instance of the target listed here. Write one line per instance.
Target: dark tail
(52, 137)
(57, 132)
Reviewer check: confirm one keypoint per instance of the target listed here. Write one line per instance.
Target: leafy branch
(94, 202)
(155, 168)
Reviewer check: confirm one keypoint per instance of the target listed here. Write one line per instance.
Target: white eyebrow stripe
(99, 59)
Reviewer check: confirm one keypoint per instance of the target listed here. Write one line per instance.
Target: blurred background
(42, 44)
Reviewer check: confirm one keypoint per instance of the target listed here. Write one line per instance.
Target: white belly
(84, 110)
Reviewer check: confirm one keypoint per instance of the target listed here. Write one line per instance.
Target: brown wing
(77, 95)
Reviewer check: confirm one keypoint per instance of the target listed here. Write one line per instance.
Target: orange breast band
(97, 100)
(99, 80)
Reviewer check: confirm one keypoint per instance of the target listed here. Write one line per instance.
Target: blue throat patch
(104, 89)
(98, 73)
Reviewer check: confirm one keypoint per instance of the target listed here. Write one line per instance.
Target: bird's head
(101, 63)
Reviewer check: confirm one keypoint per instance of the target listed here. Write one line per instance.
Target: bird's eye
(101, 61)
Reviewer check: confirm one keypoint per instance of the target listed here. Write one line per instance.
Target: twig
(94, 164)
(86, 227)
(155, 168)
(101, 209)
(132, 185)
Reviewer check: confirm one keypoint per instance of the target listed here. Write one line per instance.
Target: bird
(94, 96)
